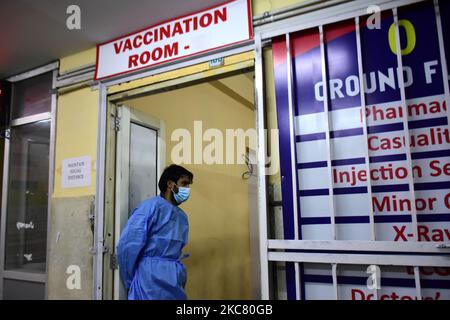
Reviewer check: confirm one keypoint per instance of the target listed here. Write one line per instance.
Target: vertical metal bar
(122, 175)
(364, 124)
(4, 210)
(417, 282)
(100, 194)
(445, 76)
(363, 116)
(335, 282)
(293, 151)
(119, 200)
(401, 84)
(262, 192)
(292, 132)
(298, 293)
(51, 174)
(327, 134)
(110, 175)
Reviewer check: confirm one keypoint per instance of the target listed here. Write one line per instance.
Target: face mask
(182, 195)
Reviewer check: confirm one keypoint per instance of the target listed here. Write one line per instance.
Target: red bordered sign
(223, 25)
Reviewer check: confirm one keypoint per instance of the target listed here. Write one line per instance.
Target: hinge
(113, 264)
(92, 217)
(117, 123)
(6, 134)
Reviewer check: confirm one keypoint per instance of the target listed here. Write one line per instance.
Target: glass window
(32, 96)
(5, 100)
(26, 229)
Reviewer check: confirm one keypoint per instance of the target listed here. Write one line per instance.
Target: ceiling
(34, 32)
(238, 87)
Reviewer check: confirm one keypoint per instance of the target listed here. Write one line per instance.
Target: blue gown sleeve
(131, 243)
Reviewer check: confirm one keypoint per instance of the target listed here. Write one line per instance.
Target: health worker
(149, 249)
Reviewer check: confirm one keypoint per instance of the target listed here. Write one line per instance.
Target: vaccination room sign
(218, 27)
(371, 166)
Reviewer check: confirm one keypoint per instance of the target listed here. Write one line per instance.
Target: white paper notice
(76, 172)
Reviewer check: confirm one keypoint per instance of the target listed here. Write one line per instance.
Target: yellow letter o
(410, 37)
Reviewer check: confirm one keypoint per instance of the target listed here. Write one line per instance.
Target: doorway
(139, 163)
(206, 126)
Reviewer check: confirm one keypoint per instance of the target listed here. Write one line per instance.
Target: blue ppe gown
(149, 251)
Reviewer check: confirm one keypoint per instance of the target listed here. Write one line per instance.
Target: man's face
(183, 181)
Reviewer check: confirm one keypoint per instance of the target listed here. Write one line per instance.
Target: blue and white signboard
(390, 157)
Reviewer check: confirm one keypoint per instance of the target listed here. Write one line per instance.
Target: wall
(76, 135)
(219, 265)
(261, 6)
(271, 112)
(70, 235)
(77, 60)
(69, 257)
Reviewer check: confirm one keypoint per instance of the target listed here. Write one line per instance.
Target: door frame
(113, 92)
(125, 117)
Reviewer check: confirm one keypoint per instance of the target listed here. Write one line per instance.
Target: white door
(139, 163)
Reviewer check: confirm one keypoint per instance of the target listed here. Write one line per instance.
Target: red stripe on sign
(305, 41)
(338, 30)
(250, 20)
(279, 51)
(96, 61)
(308, 40)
